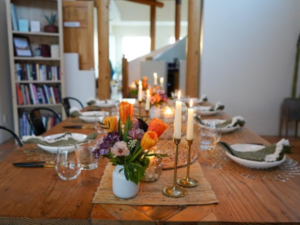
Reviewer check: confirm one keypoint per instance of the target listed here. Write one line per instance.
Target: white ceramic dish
(250, 163)
(52, 149)
(106, 103)
(91, 116)
(223, 130)
(204, 110)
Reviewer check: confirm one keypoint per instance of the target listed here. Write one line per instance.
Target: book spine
(32, 94)
(33, 69)
(21, 125)
(47, 94)
(27, 93)
(24, 116)
(23, 93)
(37, 70)
(19, 94)
(17, 72)
(14, 17)
(52, 95)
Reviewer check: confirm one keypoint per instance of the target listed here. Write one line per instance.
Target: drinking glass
(67, 162)
(98, 126)
(209, 136)
(86, 156)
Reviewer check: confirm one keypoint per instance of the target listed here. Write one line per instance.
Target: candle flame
(148, 92)
(140, 83)
(161, 80)
(155, 74)
(179, 93)
(191, 103)
(168, 110)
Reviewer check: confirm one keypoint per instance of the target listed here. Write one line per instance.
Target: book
(21, 126)
(37, 71)
(23, 92)
(27, 93)
(24, 122)
(32, 94)
(47, 93)
(33, 69)
(14, 17)
(41, 92)
(18, 71)
(52, 95)
(19, 94)
(23, 25)
(39, 95)
(55, 91)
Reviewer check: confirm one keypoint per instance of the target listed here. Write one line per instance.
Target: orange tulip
(126, 109)
(111, 122)
(149, 140)
(157, 126)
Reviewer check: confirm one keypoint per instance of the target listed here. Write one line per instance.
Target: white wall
(248, 57)
(5, 86)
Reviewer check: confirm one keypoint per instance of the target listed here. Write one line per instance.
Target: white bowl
(92, 116)
(204, 110)
(250, 163)
(223, 130)
(53, 149)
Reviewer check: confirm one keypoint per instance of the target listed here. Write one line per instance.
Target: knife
(79, 127)
(45, 164)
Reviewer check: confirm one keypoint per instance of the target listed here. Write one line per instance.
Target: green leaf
(120, 131)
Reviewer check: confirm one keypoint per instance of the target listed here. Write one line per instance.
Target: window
(135, 46)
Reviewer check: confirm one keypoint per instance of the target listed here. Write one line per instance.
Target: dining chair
(14, 134)
(35, 118)
(67, 106)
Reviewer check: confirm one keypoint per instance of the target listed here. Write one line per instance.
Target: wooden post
(103, 37)
(177, 19)
(194, 47)
(152, 26)
(124, 77)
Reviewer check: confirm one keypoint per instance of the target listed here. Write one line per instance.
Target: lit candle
(155, 79)
(177, 120)
(190, 122)
(140, 94)
(147, 107)
(168, 113)
(161, 81)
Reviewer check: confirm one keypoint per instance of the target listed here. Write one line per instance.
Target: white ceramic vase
(123, 188)
(154, 112)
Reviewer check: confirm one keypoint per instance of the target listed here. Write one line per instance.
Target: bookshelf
(36, 81)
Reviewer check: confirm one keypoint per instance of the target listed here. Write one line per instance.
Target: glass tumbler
(67, 162)
(98, 126)
(209, 136)
(86, 156)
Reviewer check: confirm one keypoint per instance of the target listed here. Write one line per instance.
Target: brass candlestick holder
(140, 106)
(187, 181)
(175, 191)
(147, 112)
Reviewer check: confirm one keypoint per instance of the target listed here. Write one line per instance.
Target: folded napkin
(74, 112)
(271, 153)
(101, 103)
(65, 139)
(202, 99)
(235, 121)
(217, 106)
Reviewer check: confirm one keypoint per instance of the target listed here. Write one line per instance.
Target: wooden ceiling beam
(147, 2)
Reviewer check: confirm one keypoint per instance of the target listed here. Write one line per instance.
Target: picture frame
(22, 46)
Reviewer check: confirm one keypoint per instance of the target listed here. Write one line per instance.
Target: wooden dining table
(39, 196)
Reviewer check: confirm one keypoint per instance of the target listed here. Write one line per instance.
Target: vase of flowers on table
(127, 147)
(158, 98)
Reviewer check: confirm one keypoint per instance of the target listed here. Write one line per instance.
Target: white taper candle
(177, 119)
(147, 107)
(190, 122)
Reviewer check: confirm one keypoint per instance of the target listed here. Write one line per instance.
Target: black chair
(67, 106)
(36, 121)
(15, 136)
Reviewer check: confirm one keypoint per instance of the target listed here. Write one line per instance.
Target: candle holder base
(187, 182)
(174, 192)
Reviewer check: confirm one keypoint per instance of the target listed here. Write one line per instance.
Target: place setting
(209, 110)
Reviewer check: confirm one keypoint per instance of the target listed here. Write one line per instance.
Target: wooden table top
(38, 195)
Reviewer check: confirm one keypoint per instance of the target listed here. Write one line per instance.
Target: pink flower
(136, 133)
(120, 149)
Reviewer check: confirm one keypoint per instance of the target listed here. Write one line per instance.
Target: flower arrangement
(129, 143)
(158, 96)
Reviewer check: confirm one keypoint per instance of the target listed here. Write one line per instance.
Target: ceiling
(122, 11)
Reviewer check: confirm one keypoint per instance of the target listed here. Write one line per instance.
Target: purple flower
(120, 149)
(105, 143)
(136, 133)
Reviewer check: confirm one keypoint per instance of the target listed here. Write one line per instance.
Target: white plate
(204, 110)
(250, 163)
(52, 149)
(223, 130)
(91, 117)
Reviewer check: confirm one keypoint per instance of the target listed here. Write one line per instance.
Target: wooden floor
(295, 142)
